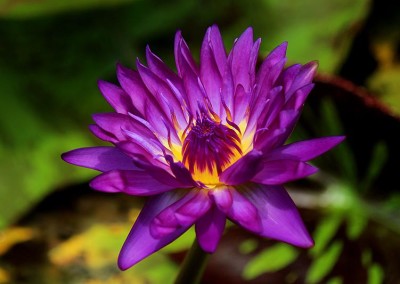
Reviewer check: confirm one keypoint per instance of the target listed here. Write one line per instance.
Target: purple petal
(139, 183)
(166, 99)
(158, 67)
(304, 77)
(281, 128)
(240, 104)
(209, 229)
(210, 73)
(140, 243)
(183, 213)
(275, 56)
(282, 171)
(193, 209)
(181, 172)
(182, 53)
(102, 134)
(306, 150)
(279, 216)
(222, 198)
(244, 212)
(99, 158)
(116, 97)
(239, 59)
(133, 86)
(113, 123)
(243, 169)
(297, 100)
(217, 47)
(194, 90)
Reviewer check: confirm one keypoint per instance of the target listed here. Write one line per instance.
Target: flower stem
(193, 265)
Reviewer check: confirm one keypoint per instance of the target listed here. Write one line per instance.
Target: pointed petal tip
(124, 263)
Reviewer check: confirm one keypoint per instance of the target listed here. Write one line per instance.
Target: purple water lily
(205, 144)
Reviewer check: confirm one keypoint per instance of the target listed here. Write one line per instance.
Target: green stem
(193, 265)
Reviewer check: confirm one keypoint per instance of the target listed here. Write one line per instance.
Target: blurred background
(54, 229)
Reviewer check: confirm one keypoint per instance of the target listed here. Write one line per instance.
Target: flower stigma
(209, 148)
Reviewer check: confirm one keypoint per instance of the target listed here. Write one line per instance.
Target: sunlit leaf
(335, 280)
(248, 246)
(322, 265)
(269, 260)
(325, 232)
(25, 9)
(356, 223)
(375, 274)
(326, 41)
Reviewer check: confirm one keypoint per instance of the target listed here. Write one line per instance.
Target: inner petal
(209, 148)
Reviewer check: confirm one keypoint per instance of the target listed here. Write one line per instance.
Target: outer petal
(185, 212)
(304, 77)
(133, 86)
(279, 216)
(140, 243)
(306, 150)
(282, 171)
(222, 198)
(244, 212)
(209, 229)
(99, 158)
(116, 97)
(139, 183)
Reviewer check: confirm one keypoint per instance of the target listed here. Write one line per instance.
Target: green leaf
(248, 246)
(356, 223)
(27, 9)
(325, 232)
(376, 274)
(378, 159)
(327, 41)
(322, 265)
(335, 280)
(269, 260)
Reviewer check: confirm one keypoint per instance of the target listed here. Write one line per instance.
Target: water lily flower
(205, 144)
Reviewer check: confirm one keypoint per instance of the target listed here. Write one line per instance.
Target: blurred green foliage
(53, 52)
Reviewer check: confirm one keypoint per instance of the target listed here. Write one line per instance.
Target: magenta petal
(182, 52)
(181, 172)
(210, 73)
(116, 97)
(306, 150)
(217, 47)
(139, 183)
(209, 229)
(102, 134)
(193, 209)
(239, 59)
(273, 58)
(140, 243)
(99, 158)
(243, 169)
(303, 77)
(279, 216)
(222, 197)
(133, 86)
(244, 212)
(113, 123)
(282, 171)
(183, 213)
